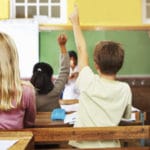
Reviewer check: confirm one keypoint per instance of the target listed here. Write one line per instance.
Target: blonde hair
(10, 83)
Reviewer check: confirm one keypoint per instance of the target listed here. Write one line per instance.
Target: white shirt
(102, 103)
(71, 91)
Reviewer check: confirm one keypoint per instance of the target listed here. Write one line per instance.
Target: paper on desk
(134, 109)
(72, 107)
(6, 144)
(70, 118)
(133, 117)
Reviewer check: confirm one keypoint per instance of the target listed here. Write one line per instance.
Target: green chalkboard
(135, 43)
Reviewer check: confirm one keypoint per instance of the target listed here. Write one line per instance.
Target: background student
(103, 100)
(48, 93)
(71, 91)
(17, 98)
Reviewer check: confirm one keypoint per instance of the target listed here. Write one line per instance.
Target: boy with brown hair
(103, 101)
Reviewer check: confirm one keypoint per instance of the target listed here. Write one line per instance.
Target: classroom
(36, 25)
(107, 25)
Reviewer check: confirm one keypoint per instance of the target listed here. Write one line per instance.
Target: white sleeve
(128, 109)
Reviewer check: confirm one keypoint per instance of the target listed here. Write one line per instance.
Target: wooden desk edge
(25, 139)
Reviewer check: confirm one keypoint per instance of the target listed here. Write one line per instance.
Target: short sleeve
(128, 109)
(85, 78)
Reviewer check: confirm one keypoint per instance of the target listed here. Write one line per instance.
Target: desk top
(43, 119)
(25, 139)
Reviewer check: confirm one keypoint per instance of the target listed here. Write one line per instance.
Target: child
(103, 100)
(17, 98)
(48, 94)
(71, 91)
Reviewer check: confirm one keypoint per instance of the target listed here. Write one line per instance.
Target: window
(45, 11)
(146, 11)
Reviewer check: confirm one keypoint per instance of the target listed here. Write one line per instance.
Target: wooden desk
(43, 119)
(25, 139)
(141, 100)
(140, 87)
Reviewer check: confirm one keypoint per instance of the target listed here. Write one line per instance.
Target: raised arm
(79, 39)
(65, 65)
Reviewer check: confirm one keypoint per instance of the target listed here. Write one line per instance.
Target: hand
(62, 39)
(74, 75)
(74, 17)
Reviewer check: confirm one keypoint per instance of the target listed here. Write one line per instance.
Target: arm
(79, 39)
(29, 104)
(65, 65)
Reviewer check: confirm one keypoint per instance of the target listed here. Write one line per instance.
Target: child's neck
(108, 77)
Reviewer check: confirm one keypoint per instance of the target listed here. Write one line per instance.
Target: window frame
(40, 18)
(145, 19)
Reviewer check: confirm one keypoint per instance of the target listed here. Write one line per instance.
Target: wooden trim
(90, 133)
(68, 101)
(97, 28)
(59, 135)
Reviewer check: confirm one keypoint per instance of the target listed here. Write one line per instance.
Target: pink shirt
(21, 117)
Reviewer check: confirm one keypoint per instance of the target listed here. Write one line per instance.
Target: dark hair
(41, 78)
(109, 57)
(73, 54)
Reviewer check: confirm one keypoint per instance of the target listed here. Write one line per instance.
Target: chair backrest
(69, 105)
(68, 101)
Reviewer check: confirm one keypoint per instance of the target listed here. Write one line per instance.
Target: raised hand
(62, 39)
(74, 16)
(79, 39)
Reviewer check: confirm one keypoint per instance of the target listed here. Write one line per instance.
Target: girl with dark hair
(48, 93)
(42, 73)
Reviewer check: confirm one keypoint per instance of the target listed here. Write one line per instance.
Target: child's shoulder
(27, 86)
(124, 84)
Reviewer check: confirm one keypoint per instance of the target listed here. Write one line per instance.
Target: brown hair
(109, 57)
